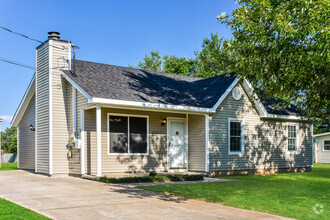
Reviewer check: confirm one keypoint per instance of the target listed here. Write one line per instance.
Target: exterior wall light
(163, 121)
(32, 128)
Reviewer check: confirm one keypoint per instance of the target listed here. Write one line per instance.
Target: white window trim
(323, 142)
(297, 138)
(242, 136)
(127, 115)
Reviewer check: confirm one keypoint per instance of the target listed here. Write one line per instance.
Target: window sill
(236, 153)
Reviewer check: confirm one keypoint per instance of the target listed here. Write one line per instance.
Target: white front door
(176, 149)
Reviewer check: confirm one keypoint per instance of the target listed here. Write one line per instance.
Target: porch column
(207, 135)
(98, 141)
(82, 137)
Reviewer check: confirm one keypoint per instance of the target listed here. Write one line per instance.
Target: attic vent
(54, 35)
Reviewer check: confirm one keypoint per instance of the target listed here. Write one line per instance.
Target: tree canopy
(210, 61)
(283, 50)
(9, 140)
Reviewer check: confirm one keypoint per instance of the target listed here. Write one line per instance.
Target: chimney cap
(54, 35)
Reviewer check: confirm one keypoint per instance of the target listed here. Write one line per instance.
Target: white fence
(9, 158)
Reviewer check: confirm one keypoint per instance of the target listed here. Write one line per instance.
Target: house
(322, 148)
(79, 117)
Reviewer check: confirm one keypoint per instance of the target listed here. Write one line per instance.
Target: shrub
(146, 179)
(157, 179)
(193, 177)
(152, 173)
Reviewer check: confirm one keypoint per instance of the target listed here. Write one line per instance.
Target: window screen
(138, 135)
(235, 136)
(326, 145)
(128, 134)
(292, 138)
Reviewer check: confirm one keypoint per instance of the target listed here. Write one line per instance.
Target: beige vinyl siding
(322, 156)
(42, 108)
(26, 138)
(61, 113)
(90, 141)
(196, 142)
(82, 103)
(157, 158)
(265, 140)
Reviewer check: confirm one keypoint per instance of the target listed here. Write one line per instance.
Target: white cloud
(6, 117)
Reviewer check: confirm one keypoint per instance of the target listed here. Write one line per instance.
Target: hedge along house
(80, 117)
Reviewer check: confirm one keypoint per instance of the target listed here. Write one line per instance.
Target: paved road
(75, 198)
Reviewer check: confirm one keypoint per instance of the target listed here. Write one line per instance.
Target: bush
(157, 179)
(152, 173)
(146, 179)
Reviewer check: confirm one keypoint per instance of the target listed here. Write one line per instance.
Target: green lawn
(9, 210)
(292, 195)
(8, 166)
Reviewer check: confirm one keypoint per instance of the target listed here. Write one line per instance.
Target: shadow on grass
(142, 194)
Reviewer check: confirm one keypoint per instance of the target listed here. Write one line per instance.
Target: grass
(9, 210)
(292, 195)
(8, 166)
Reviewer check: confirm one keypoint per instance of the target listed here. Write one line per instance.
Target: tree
(179, 65)
(214, 58)
(168, 64)
(283, 50)
(211, 61)
(9, 140)
(152, 62)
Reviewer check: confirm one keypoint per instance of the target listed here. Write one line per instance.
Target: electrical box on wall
(77, 143)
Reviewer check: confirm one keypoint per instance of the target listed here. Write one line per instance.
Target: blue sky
(113, 32)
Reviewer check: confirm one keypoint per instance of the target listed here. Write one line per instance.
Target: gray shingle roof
(269, 103)
(129, 84)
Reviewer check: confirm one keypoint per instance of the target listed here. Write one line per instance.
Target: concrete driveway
(75, 198)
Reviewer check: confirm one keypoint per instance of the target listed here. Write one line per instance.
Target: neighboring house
(80, 117)
(322, 148)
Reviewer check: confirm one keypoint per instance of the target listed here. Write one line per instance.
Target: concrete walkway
(75, 198)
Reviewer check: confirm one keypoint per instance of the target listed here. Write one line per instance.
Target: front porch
(123, 142)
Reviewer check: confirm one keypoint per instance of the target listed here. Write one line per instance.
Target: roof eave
(100, 101)
(288, 117)
(323, 134)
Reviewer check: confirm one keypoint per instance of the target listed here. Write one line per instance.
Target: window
(128, 134)
(293, 131)
(235, 136)
(326, 145)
